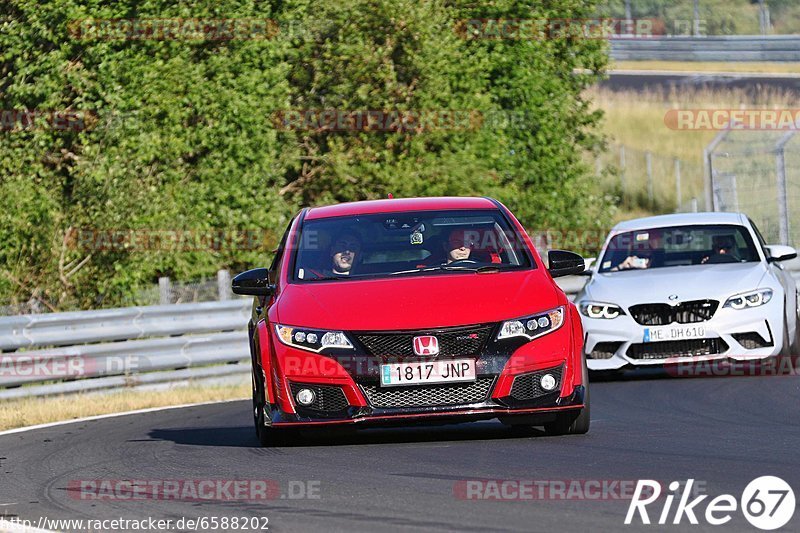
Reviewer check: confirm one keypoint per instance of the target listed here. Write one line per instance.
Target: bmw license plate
(428, 372)
(674, 333)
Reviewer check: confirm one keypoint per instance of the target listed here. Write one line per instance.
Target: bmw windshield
(395, 244)
(678, 246)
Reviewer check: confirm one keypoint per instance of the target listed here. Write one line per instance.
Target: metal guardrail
(87, 351)
(718, 48)
(90, 350)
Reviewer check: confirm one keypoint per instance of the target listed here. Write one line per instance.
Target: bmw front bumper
(741, 335)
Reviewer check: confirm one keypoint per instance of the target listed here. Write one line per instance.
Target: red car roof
(399, 205)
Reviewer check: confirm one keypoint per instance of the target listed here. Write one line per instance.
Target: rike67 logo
(767, 503)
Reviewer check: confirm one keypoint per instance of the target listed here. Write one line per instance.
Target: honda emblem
(426, 345)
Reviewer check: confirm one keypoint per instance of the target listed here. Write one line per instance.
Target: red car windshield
(396, 244)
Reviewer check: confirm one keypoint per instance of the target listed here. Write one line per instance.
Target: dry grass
(33, 411)
(753, 67)
(636, 120)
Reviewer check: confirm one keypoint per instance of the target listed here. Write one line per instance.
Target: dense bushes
(181, 134)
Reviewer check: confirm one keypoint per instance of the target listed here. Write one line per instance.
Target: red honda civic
(408, 311)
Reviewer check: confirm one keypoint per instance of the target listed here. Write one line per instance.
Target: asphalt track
(664, 81)
(721, 431)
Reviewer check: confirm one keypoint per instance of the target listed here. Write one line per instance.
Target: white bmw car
(688, 287)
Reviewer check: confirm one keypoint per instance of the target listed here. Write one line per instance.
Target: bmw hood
(683, 283)
(416, 302)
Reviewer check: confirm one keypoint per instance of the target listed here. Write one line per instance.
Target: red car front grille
(469, 340)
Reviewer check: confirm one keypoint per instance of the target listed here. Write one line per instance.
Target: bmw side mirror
(563, 263)
(779, 252)
(253, 282)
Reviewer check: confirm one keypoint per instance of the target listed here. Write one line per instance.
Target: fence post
(708, 168)
(783, 200)
(678, 183)
(622, 168)
(696, 21)
(164, 290)
(648, 157)
(223, 284)
(694, 205)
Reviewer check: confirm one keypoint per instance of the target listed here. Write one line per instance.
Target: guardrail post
(622, 169)
(648, 157)
(223, 284)
(694, 205)
(164, 290)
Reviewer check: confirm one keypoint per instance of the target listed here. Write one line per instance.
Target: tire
(263, 433)
(266, 435)
(785, 359)
(570, 423)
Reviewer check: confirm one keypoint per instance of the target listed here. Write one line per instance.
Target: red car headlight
(534, 326)
(313, 340)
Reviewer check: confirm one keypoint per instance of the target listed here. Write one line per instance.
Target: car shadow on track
(244, 437)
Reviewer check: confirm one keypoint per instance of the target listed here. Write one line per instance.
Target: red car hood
(418, 302)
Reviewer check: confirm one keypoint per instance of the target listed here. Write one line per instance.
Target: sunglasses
(460, 243)
(350, 246)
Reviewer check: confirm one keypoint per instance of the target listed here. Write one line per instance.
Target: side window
(761, 240)
(274, 268)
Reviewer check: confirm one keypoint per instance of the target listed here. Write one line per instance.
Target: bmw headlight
(600, 310)
(532, 326)
(315, 340)
(749, 299)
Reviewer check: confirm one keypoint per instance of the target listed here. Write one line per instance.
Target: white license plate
(674, 333)
(428, 372)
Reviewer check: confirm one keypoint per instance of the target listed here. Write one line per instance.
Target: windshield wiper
(415, 271)
(480, 270)
(485, 269)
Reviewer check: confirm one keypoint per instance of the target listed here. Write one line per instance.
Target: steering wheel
(721, 258)
(462, 262)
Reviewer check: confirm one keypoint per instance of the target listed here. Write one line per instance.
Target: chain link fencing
(648, 181)
(758, 173)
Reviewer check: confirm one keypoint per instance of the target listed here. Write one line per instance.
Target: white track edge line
(113, 415)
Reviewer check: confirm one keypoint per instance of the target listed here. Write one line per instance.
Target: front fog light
(305, 397)
(548, 382)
